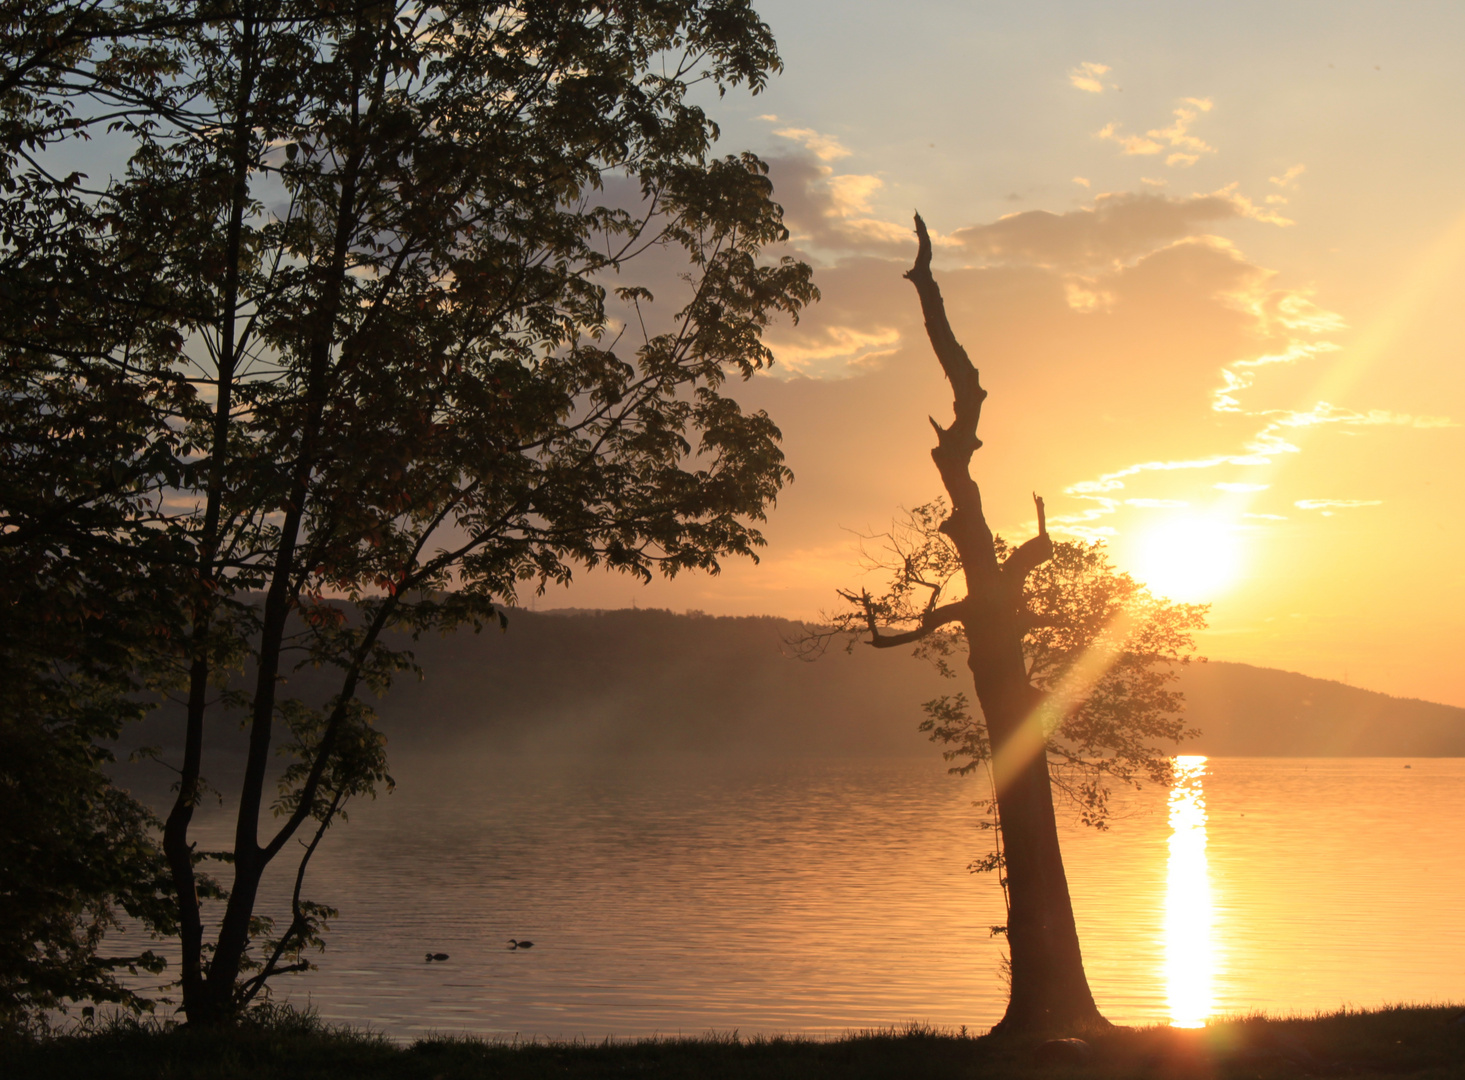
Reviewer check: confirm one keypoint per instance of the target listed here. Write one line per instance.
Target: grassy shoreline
(1412, 1041)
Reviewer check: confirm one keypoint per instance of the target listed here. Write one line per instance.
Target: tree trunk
(1050, 991)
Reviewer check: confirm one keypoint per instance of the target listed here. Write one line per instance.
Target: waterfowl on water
(520, 944)
(436, 956)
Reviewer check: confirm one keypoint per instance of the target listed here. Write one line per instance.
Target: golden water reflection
(1190, 959)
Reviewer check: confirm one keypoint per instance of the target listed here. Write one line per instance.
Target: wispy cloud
(1247, 208)
(1299, 328)
(1185, 147)
(1324, 413)
(1129, 144)
(1327, 506)
(841, 350)
(1086, 77)
(1178, 133)
(823, 147)
(1288, 179)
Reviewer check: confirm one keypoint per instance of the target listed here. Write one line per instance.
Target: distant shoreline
(649, 681)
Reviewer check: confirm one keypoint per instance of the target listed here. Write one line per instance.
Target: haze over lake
(687, 894)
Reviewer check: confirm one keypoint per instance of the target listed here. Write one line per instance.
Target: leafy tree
(1104, 650)
(1072, 665)
(76, 853)
(82, 572)
(356, 317)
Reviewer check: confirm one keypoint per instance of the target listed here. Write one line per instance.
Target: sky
(1207, 259)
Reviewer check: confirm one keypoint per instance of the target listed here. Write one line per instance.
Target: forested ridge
(644, 681)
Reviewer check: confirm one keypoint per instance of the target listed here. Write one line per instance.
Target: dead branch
(1032, 554)
(957, 443)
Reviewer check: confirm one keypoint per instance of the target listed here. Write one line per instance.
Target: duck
(520, 944)
(436, 956)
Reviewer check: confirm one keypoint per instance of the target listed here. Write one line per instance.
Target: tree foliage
(1104, 651)
(349, 345)
(76, 854)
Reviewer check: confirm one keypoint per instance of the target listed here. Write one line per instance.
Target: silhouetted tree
(344, 319)
(75, 853)
(83, 573)
(1071, 663)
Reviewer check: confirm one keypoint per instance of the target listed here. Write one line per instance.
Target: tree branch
(960, 440)
(1032, 554)
(299, 923)
(932, 620)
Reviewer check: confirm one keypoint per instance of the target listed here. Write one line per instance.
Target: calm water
(821, 896)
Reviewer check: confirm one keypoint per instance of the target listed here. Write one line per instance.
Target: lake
(689, 895)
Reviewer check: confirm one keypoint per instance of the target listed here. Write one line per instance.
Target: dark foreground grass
(1413, 1042)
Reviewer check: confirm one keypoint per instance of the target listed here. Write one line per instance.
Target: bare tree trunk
(1049, 988)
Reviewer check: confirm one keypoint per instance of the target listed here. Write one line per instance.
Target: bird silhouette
(520, 944)
(436, 956)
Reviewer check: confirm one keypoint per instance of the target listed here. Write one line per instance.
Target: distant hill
(1262, 712)
(652, 681)
(634, 681)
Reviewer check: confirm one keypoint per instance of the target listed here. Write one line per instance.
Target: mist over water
(689, 894)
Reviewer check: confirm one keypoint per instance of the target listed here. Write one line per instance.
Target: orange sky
(1208, 266)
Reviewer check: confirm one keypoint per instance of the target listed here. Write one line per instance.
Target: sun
(1190, 559)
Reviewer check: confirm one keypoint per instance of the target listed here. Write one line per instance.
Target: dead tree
(1050, 991)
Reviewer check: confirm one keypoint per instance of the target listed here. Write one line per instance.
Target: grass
(1405, 1041)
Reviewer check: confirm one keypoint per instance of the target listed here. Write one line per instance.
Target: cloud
(850, 194)
(1129, 144)
(1247, 208)
(823, 147)
(864, 317)
(1114, 480)
(1178, 133)
(1186, 147)
(1286, 329)
(1086, 76)
(1324, 413)
(1082, 181)
(1117, 227)
(1085, 294)
(833, 349)
(1288, 179)
(832, 213)
(1335, 504)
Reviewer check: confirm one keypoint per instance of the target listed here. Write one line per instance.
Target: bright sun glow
(1189, 559)
(1189, 951)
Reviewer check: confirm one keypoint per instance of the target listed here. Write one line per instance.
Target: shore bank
(1407, 1041)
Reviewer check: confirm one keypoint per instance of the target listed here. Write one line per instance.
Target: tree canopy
(349, 344)
(1104, 650)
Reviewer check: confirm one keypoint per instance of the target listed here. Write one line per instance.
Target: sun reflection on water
(1189, 951)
